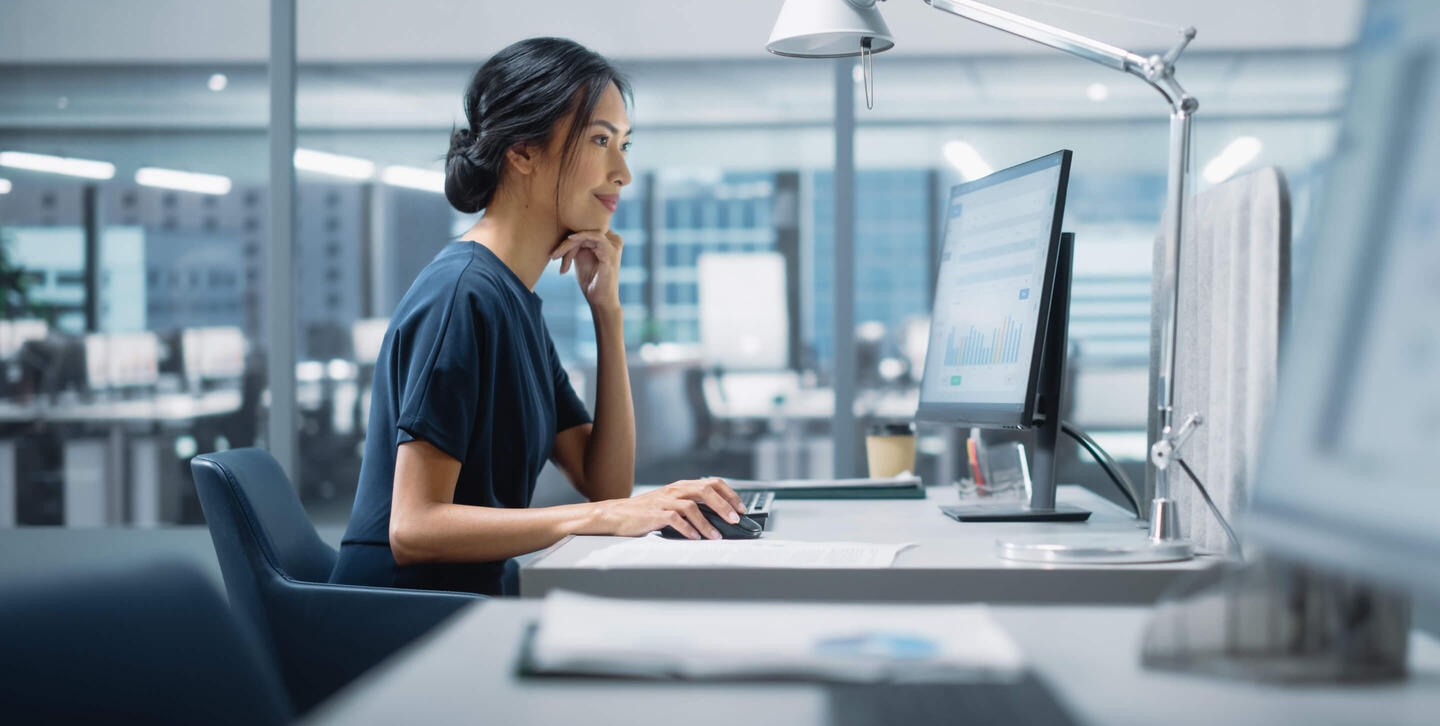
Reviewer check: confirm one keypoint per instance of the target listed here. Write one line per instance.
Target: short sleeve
(443, 366)
(570, 411)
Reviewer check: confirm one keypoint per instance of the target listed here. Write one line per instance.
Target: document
(656, 551)
(808, 641)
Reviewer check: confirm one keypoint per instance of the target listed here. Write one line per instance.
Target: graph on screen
(987, 305)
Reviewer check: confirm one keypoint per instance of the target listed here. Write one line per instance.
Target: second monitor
(996, 357)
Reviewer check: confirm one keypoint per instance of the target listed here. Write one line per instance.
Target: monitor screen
(214, 353)
(992, 295)
(121, 360)
(749, 331)
(1347, 476)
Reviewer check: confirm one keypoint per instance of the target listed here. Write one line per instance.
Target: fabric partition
(1234, 289)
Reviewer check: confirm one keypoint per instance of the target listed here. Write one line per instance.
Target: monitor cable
(1126, 488)
(1106, 463)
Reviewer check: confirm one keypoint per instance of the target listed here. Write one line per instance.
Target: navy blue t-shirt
(467, 365)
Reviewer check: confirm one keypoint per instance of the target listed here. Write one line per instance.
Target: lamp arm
(1157, 71)
(1045, 34)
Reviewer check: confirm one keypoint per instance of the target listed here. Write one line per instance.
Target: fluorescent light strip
(1236, 155)
(185, 181)
(320, 162)
(413, 178)
(4, 186)
(57, 164)
(964, 157)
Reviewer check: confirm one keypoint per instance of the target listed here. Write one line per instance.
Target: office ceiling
(184, 31)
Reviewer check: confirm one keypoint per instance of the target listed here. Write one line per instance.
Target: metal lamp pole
(1158, 71)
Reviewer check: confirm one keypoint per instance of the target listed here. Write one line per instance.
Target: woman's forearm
(462, 533)
(610, 450)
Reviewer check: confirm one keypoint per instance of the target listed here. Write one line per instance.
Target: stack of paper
(855, 643)
(655, 551)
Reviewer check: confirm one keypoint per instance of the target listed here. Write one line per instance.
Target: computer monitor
(121, 360)
(1347, 477)
(368, 337)
(996, 357)
(747, 330)
(15, 333)
(215, 353)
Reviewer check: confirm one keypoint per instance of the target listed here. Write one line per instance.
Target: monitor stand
(1042, 506)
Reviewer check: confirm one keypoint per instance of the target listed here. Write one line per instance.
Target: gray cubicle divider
(1234, 291)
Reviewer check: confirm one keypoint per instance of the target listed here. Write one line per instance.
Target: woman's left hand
(596, 258)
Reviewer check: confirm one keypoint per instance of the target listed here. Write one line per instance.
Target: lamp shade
(828, 29)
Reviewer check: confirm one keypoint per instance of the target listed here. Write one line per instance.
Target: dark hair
(520, 95)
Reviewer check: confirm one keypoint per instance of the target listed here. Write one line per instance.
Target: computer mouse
(746, 528)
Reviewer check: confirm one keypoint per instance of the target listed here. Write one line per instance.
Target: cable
(1106, 463)
(1213, 509)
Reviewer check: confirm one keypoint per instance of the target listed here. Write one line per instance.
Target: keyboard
(757, 505)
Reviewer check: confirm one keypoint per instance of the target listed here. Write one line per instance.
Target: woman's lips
(611, 201)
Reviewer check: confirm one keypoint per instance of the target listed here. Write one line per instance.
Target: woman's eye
(602, 140)
(626, 146)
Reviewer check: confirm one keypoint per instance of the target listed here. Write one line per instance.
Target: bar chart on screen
(994, 260)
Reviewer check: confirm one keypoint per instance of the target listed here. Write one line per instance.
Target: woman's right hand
(674, 505)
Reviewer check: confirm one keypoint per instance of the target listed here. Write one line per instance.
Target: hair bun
(469, 181)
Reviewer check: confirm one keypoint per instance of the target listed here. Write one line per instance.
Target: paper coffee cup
(890, 449)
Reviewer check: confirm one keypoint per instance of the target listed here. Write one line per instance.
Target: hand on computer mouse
(745, 528)
(676, 505)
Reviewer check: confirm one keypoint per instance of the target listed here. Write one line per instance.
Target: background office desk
(951, 562)
(464, 671)
(98, 489)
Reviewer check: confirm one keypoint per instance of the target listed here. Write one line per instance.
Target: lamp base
(1109, 549)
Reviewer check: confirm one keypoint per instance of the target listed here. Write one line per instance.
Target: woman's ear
(523, 157)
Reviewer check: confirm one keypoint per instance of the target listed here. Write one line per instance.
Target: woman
(469, 399)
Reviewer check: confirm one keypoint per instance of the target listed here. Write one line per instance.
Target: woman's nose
(621, 173)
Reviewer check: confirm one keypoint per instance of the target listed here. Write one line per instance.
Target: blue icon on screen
(1024, 293)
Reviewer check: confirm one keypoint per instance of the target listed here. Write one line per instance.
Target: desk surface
(464, 671)
(158, 407)
(951, 562)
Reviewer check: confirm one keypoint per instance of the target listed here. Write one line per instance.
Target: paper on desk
(843, 642)
(656, 551)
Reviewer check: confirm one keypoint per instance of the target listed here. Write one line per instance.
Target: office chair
(151, 644)
(276, 569)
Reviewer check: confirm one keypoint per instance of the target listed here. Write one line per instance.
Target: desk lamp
(849, 28)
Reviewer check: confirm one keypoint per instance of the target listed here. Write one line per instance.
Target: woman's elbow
(405, 544)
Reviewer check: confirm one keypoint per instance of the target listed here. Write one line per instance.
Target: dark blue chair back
(151, 644)
(277, 568)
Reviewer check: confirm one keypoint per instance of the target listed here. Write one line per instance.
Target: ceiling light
(333, 164)
(1097, 92)
(218, 82)
(1236, 155)
(57, 164)
(409, 176)
(184, 181)
(964, 157)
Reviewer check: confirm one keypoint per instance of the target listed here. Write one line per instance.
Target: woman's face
(590, 187)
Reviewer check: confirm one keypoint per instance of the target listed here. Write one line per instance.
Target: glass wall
(133, 227)
(135, 322)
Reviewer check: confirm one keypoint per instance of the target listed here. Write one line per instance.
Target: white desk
(464, 672)
(164, 407)
(94, 478)
(951, 562)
